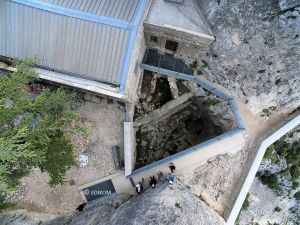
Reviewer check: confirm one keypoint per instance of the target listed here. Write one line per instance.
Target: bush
(199, 72)
(277, 209)
(295, 172)
(213, 102)
(297, 195)
(270, 180)
(177, 205)
(246, 203)
(194, 64)
(5, 204)
(270, 153)
(295, 184)
(205, 64)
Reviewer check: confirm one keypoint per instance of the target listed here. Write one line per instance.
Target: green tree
(34, 130)
(270, 180)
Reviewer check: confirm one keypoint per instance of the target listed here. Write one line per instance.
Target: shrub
(177, 205)
(277, 209)
(205, 64)
(199, 72)
(194, 64)
(295, 172)
(246, 203)
(267, 112)
(212, 102)
(297, 195)
(270, 180)
(270, 153)
(295, 184)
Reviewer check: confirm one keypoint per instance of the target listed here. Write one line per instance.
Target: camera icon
(86, 191)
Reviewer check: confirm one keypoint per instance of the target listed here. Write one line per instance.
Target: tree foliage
(34, 130)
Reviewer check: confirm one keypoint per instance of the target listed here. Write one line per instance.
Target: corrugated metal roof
(118, 9)
(74, 46)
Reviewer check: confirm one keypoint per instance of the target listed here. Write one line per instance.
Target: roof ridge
(76, 13)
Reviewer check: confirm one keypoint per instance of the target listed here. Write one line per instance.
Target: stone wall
(189, 45)
(134, 72)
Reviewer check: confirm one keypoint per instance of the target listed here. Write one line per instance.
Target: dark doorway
(171, 45)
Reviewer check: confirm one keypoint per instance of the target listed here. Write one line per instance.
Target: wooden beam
(4, 66)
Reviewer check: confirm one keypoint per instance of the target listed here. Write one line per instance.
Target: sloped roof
(117, 9)
(90, 39)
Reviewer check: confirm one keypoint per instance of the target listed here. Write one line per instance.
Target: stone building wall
(190, 46)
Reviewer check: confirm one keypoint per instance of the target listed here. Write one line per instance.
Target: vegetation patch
(278, 80)
(213, 102)
(277, 209)
(199, 72)
(270, 180)
(246, 203)
(182, 89)
(194, 64)
(35, 130)
(204, 64)
(152, 99)
(271, 154)
(291, 154)
(297, 196)
(177, 205)
(268, 112)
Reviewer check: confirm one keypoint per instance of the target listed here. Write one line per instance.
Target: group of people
(160, 176)
(153, 182)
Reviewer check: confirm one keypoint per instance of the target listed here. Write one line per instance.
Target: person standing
(138, 188)
(154, 182)
(172, 167)
(81, 206)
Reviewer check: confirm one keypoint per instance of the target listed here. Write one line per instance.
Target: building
(182, 32)
(98, 45)
(91, 45)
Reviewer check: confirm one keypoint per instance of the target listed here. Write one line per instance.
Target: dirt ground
(104, 120)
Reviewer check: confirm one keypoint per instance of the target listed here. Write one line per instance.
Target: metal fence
(166, 61)
(185, 152)
(171, 66)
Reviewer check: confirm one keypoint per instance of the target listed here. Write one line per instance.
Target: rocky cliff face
(165, 205)
(256, 54)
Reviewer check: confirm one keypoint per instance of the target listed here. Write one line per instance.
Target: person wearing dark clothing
(152, 182)
(80, 207)
(172, 167)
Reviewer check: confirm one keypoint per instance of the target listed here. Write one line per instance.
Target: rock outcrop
(174, 205)
(256, 54)
(165, 205)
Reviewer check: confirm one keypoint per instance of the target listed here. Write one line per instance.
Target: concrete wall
(129, 147)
